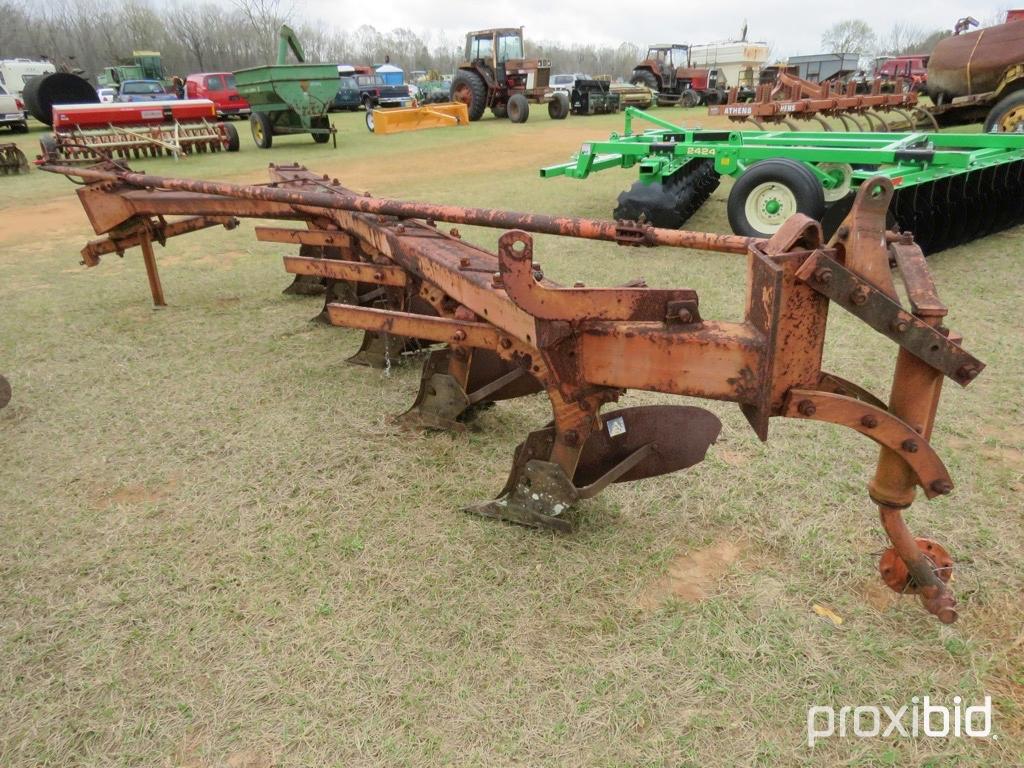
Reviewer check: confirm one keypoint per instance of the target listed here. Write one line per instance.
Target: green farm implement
(289, 98)
(949, 188)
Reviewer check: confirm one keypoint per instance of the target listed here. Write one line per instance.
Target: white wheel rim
(768, 205)
(369, 121)
(839, 191)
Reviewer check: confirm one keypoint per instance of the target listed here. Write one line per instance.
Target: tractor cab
(669, 58)
(494, 47)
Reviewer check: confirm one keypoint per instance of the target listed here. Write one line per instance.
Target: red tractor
(667, 71)
(496, 74)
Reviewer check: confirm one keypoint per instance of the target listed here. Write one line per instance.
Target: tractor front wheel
(558, 107)
(469, 88)
(690, 98)
(769, 193)
(518, 108)
(262, 129)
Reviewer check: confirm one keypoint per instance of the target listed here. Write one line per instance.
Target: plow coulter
(948, 188)
(494, 328)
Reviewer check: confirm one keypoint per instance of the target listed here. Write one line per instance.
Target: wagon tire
(262, 129)
(321, 122)
(771, 191)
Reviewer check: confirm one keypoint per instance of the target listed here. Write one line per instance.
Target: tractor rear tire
(645, 78)
(262, 129)
(500, 111)
(232, 136)
(469, 88)
(1007, 116)
(321, 122)
(558, 107)
(518, 108)
(771, 191)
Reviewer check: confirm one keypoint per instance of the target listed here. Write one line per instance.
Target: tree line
(207, 36)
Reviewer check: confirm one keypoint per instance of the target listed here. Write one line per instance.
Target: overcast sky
(792, 26)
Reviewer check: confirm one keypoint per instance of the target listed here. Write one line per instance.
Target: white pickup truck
(12, 113)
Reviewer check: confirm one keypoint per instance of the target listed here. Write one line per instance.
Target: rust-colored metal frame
(390, 270)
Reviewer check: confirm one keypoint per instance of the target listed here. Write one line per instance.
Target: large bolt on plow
(497, 329)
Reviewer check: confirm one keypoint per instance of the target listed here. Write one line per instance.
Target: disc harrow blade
(672, 202)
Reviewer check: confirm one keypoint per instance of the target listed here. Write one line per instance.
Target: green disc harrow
(950, 187)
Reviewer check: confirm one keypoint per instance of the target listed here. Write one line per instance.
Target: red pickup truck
(218, 87)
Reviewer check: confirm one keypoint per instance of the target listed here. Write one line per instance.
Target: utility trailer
(948, 188)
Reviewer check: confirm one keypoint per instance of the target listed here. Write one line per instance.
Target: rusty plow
(495, 328)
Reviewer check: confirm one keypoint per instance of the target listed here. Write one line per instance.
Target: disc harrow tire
(645, 78)
(232, 135)
(262, 129)
(469, 88)
(1007, 116)
(769, 192)
(671, 203)
(518, 108)
(558, 107)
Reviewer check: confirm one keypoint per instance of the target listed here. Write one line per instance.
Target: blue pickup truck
(374, 92)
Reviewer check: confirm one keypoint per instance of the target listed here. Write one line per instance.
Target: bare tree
(850, 36)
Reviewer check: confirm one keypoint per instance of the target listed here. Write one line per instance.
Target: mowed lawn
(217, 549)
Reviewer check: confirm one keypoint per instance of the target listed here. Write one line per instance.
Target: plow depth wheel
(262, 129)
(769, 193)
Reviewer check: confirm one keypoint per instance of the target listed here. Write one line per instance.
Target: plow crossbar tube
(566, 226)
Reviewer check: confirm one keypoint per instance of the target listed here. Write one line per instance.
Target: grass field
(218, 550)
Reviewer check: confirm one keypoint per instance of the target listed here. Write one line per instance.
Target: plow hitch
(490, 327)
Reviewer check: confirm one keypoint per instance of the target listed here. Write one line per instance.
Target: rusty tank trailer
(492, 327)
